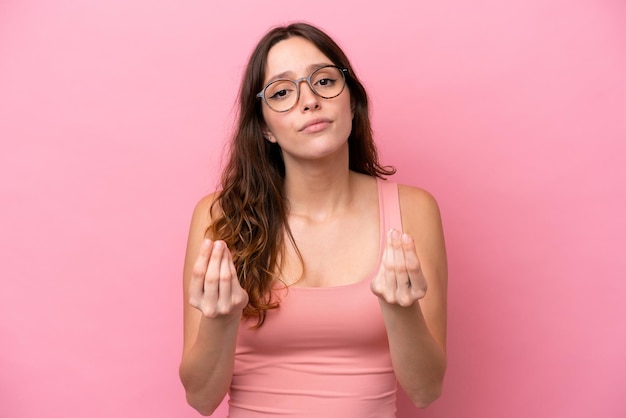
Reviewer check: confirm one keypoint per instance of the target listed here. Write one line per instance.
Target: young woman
(311, 284)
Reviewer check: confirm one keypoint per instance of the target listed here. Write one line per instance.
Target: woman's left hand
(400, 280)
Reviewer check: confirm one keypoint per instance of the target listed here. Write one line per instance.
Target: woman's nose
(308, 99)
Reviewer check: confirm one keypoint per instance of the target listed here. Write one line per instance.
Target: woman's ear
(267, 134)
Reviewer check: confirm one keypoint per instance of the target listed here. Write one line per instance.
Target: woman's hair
(252, 218)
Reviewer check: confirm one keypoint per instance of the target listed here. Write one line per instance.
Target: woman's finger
(211, 279)
(239, 295)
(224, 285)
(233, 272)
(413, 266)
(400, 269)
(196, 284)
(410, 254)
(403, 296)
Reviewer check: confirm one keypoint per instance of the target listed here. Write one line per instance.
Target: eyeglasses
(282, 95)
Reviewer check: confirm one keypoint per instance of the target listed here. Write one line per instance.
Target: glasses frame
(342, 71)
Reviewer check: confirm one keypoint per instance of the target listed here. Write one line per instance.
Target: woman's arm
(213, 303)
(412, 287)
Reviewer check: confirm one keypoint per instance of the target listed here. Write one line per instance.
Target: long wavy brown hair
(252, 215)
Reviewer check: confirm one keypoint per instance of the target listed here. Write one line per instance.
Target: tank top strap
(389, 206)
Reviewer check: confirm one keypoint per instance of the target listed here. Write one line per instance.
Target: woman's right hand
(214, 288)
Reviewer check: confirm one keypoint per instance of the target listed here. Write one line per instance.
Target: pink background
(113, 116)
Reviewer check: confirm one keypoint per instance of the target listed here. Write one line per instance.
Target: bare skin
(334, 219)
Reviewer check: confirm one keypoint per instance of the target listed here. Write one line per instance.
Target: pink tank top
(323, 352)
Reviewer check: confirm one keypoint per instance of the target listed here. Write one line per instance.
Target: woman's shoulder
(206, 201)
(205, 211)
(417, 205)
(413, 195)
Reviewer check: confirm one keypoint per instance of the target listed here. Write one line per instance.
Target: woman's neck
(319, 191)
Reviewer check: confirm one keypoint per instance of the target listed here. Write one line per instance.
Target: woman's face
(315, 127)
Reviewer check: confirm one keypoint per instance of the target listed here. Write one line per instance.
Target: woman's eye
(280, 94)
(326, 82)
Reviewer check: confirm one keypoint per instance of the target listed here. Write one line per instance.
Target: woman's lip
(315, 125)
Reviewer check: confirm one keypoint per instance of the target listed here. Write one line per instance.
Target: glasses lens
(328, 82)
(281, 95)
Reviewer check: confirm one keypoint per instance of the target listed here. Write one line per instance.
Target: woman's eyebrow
(286, 74)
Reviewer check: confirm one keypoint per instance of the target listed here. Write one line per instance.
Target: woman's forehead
(293, 58)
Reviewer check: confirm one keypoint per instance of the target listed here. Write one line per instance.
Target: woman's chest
(329, 322)
(333, 253)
